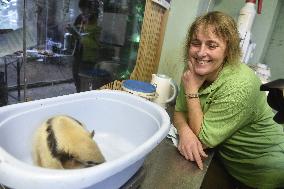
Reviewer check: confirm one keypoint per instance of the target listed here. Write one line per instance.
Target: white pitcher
(166, 89)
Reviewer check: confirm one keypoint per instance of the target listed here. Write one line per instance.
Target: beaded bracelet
(196, 95)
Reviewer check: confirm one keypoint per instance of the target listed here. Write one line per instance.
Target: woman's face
(207, 54)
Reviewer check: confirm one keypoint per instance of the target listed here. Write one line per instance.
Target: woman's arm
(192, 82)
(189, 145)
(195, 114)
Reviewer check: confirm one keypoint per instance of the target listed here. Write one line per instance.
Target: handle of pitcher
(175, 93)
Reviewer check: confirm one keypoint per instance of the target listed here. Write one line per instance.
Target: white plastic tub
(127, 128)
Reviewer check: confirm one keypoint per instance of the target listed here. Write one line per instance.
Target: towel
(173, 135)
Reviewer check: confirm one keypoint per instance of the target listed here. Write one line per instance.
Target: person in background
(220, 106)
(87, 38)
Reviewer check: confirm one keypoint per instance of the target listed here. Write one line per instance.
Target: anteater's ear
(92, 134)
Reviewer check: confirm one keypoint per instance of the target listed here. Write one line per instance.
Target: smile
(202, 62)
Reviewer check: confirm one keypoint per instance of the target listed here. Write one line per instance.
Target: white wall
(274, 57)
(262, 26)
(182, 14)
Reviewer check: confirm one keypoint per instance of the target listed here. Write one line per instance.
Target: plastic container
(67, 43)
(126, 129)
(140, 88)
(246, 18)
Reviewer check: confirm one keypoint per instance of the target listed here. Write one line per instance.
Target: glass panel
(11, 45)
(106, 37)
(88, 42)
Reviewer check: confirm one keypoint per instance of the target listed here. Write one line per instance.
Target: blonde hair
(221, 25)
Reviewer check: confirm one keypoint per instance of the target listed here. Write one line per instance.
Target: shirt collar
(227, 70)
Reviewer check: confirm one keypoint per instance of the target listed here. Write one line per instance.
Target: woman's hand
(191, 81)
(190, 147)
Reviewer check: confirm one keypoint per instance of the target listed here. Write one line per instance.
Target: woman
(220, 105)
(87, 44)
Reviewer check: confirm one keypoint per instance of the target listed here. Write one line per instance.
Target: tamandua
(62, 142)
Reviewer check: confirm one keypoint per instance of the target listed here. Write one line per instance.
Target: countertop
(165, 168)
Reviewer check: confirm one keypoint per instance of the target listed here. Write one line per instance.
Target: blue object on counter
(139, 86)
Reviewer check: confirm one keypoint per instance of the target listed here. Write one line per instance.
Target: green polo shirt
(238, 121)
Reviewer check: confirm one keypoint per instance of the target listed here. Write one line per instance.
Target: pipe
(24, 49)
(259, 5)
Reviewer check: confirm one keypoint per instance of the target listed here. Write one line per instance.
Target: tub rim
(9, 164)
